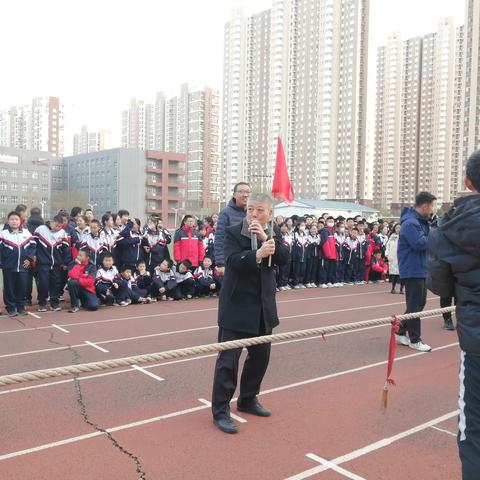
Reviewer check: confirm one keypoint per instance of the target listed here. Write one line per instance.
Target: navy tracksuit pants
(14, 290)
(469, 418)
(79, 295)
(49, 285)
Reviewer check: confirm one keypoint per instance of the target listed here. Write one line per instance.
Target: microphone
(254, 241)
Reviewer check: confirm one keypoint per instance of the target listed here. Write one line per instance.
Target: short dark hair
(473, 169)
(85, 250)
(107, 255)
(354, 229)
(239, 184)
(186, 263)
(88, 210)
(35, 211)
(13, 213)
(58, 219)
(21, 208)
(125, 268)
(75, 211)
(169, 261)
(95, 221)
(423, 198)
(121, 213)
(140, 262)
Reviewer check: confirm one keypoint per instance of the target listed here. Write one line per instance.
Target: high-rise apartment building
(189, 124)
(315, 54)
(87, 141)
(471, 74)
(418, 89)
(36, 126)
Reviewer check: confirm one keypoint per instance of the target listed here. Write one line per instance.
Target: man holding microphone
(247, 308)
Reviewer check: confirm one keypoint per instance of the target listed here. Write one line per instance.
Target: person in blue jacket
(17, 251)
(412, 262)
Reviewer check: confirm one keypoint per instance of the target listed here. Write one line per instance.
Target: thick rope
(210, 348)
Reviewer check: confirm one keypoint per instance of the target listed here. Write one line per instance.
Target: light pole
(92, 206)
(43, 203)
(176, 210)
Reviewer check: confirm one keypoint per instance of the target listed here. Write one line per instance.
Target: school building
(144, 182)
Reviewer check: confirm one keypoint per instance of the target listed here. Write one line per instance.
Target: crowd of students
(333, 252)
(116, 261)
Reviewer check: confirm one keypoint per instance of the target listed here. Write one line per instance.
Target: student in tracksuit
(128, 246)
(340, 239)
(185, 280)
(93, 242)
(164, 283)
(106, 288)
(311, 272)
(129, 291)
(205, 279)
(17, 250)
(299, 259)
(108, 234)
(154, 243)
(81, 283)
(143, 280)
(329, 251)
(284, 270)
(350, 254)
(53, 256)
(363, 245)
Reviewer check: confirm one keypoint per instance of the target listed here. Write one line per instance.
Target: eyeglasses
(243, 192)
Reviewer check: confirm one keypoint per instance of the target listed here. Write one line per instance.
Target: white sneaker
(329, 285)
(402, 340)
(323, 285)
(420, 346)
(296, 287)
(303, 286)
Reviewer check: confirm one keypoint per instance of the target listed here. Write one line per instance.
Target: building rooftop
(332, 205)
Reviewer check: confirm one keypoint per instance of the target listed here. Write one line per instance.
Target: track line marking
(64, 330)
(34, 315)
(94, 345)
(444, 431)
(385, 442)
(233, 415)
(203, 407)
(146, 372)
(334, 467)
(139, 317)
(174, 332)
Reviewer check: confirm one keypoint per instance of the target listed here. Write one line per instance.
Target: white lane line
(201, 357)
(146, 372)
(334, 467)
(58, 327)
(34, 315)
(183, 312)
(174, 332)
(444, 431)
(233, 415)
(96, 346)
(373, 447)
(195, 409)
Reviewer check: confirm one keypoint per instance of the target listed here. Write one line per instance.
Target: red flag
(282, 187)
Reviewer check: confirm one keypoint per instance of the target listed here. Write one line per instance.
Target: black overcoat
(249, 287)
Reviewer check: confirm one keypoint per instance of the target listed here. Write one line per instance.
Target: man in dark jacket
(232, 214)
(247, 308)
(454, 271)
(412, 263)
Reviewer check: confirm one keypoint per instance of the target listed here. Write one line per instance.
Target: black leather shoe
(254, 408)
(448, 324)
(225, 424)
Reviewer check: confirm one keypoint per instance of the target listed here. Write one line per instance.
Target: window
(14, 173)
(24, 174)
(3, 186)
(14, 187)
(24, 187)
(3, 199)
(35, 175)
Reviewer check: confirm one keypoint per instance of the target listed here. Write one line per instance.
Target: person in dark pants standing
(247, 308)
(454, 272)
(33, 222)
(412, 262)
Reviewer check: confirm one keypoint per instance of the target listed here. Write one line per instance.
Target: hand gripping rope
(216, 347)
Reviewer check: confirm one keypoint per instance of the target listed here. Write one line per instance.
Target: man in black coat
(247, 308)
(33, 222)
(454, 272)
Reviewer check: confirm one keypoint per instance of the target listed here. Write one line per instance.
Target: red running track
(325, 397)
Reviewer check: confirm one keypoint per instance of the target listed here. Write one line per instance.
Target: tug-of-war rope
(219, 347)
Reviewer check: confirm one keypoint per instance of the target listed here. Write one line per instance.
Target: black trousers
(226, 372)
(78, 294)
(469, 418)
(14, 290)
(444, 303)
(299, 269)
(49, 285)
(416, 298)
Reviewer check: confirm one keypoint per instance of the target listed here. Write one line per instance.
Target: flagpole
(271, 232)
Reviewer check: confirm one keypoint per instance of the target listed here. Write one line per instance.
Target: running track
(325, 397)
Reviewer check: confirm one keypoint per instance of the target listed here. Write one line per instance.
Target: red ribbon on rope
(392, 348)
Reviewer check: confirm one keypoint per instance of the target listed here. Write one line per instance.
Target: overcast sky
(97, 54)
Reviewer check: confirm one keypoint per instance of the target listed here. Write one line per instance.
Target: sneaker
(278, 289)
(164, 297)
(22, 312)
(323, 285)
(125, 303)
(189, 297)
(73, 310)
(420, 346)
(13, 313)
(448, 324)
(329, 285)
(288, 287)
(171, 299)
(41, 308)
(142, 300)
(60, 298)
(296, 287)
(402, 340)
(303, 286)
(56, 309)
